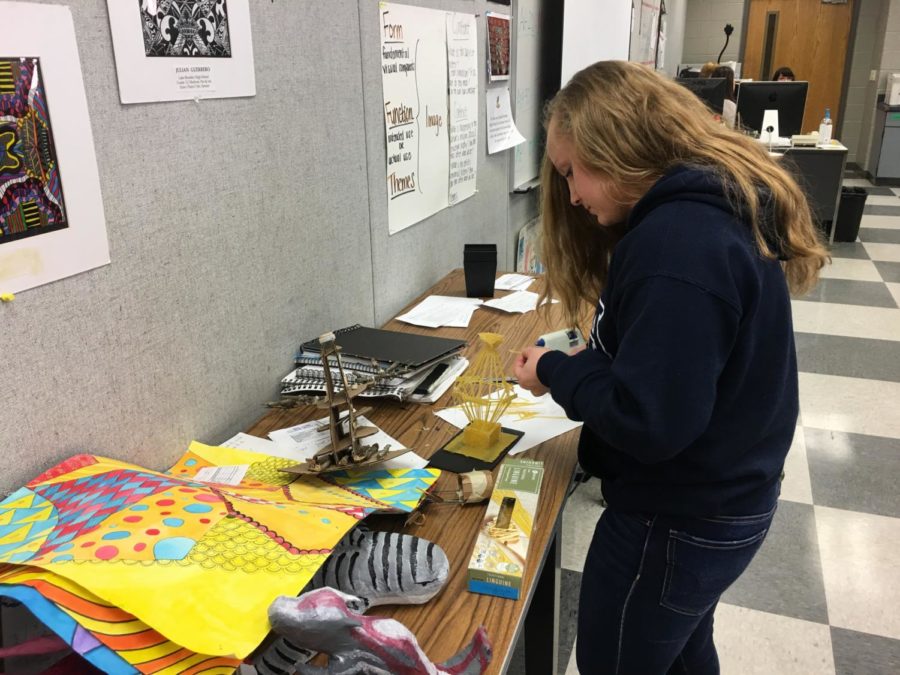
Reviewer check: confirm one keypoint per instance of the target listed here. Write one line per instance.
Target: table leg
(542, 620)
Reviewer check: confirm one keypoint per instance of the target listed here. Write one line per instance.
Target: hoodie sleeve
(657, 394)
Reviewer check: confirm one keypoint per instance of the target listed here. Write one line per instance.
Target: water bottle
(825, 128)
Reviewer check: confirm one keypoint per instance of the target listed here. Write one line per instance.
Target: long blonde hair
(631, 124)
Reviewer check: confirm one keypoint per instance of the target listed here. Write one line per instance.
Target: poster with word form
(414, 86)
(175, 50)
(52, 223)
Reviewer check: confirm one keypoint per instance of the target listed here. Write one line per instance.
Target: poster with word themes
(51, 211)
(414, 86)
(170, 50)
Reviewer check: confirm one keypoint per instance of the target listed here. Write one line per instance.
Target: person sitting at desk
(783, 74)
(706, 70)
(691, 236)
(729, 106)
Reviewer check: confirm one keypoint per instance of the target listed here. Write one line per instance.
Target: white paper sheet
(414, 87)
(520, 301)
(513, 282)
(150, 68)
(40, 39)
(539, 417)
(442, 310)
(224, 475)
(242, 441)
(462, 63)
(501, 128)
(302, 441)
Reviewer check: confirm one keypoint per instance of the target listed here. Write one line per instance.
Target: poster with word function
(414, 86)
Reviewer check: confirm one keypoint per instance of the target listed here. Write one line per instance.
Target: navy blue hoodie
(688, 390)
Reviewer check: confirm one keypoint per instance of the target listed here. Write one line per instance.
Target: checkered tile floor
(823, 594)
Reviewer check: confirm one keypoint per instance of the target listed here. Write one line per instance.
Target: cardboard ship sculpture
(484, 393)
(347, 448)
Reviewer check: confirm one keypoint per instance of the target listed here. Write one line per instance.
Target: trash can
(850, 212)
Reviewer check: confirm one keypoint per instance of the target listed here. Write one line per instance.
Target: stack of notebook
(405, 366)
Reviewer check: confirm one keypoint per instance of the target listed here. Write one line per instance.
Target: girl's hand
(525, 369)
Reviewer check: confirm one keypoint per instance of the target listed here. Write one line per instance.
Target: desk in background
(446, 624)
(820, 173)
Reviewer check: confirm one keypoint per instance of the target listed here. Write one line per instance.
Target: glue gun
(561, 340)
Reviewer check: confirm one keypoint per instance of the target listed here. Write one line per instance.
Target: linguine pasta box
(498, 559)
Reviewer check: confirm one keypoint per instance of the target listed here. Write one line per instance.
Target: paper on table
(540, 417)
(442, 310)
(224, 475)
(302, 441)
(242, 441)
(513, 282)
(520, 301)
(501, 127)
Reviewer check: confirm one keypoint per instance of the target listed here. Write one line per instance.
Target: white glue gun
(561, 340)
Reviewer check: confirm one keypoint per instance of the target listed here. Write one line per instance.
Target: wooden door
(808, 36)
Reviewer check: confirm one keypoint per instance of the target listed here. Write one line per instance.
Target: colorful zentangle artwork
(194, 28)
(31, 197)
(162, 573)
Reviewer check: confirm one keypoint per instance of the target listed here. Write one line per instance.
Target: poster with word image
(414, 86)
(51, 211)
(462, 63)
(174, 50)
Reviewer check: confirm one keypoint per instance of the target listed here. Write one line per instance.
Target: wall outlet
(873, 75)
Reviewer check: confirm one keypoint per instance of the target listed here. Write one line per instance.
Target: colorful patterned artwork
(189, 565)
(104, 635)
(185, 28)
(498, 29)
(31, 197)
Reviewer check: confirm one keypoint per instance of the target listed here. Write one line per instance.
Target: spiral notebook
(386, 347)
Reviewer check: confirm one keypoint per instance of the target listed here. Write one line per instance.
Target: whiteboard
(594, 31)
(528, 103)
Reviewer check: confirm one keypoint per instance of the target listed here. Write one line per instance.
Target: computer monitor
(788, 98)
(710, 90)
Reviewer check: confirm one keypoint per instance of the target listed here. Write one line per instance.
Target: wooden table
(446, 623)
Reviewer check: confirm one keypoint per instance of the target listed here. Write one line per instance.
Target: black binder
(390, 347)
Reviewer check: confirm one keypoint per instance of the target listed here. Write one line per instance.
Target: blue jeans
(650, 587)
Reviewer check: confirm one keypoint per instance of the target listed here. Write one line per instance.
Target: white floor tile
(881, 222)
(859, 566)
(894, 288)
(880, 323)
(579, 520)
(857, 182)
(796, 486)
(851, 404)
(850, 268)
(751, 642)
(886, 252)
(882, 200)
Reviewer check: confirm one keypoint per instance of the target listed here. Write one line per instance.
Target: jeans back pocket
(699, 570)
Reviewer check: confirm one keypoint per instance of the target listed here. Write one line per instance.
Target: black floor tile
(848, 250)
(848, 356)
(850, 292)
(878, 235)
(785, 577)
(889, 271)
(853, 472)
(863, 654)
